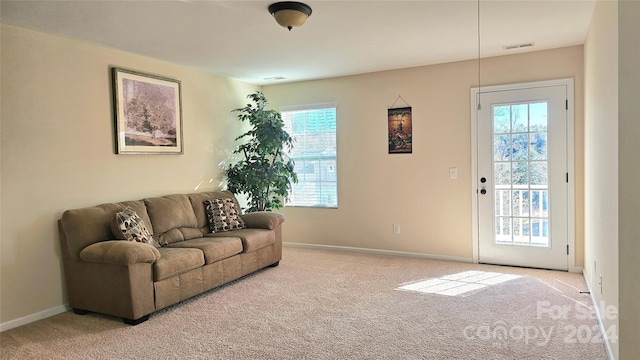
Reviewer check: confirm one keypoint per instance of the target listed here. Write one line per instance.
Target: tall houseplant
(264, 174)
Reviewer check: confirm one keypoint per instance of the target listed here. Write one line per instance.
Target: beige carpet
(342, 305)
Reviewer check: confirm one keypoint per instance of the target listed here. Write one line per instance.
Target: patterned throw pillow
(223, 215)
(131, 227)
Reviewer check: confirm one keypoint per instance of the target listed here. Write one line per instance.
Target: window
(314, 152)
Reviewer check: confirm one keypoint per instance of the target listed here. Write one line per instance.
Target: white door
(522, 177)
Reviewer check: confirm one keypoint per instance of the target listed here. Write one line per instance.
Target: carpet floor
(321, 304)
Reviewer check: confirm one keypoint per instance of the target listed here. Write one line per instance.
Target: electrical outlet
(396, 229)
(453, 173)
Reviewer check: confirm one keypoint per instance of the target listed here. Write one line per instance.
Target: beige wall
(601, 157)
(612, 129)
(629, 173)
(57, 151)
(377, 190)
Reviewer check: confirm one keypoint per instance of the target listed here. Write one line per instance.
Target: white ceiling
(239, 39)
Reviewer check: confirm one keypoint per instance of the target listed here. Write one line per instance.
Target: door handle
(483, 191)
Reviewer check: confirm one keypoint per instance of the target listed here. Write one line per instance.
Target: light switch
(453, 173)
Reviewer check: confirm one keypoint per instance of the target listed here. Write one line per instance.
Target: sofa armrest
(263, 220)
(119, 252)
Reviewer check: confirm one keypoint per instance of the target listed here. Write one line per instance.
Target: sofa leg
(275, 264)
(136, 321)
(80, 311)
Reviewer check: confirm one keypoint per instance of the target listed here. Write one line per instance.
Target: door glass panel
(539, 173)
(521, 231)
(519, 118)
(538, 146)
(520, 146)
(502, 174)
(521, 181)
(501, 119)
(502, 147)
(538, 116)
(503, 203)
(503, 230)
(521, 203)
(520, 173)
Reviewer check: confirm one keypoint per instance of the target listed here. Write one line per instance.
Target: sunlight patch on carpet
(458, 284)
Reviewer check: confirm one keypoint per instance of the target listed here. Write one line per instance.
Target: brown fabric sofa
(131, 280)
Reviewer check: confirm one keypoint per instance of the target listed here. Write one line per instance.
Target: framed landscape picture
(147, 112)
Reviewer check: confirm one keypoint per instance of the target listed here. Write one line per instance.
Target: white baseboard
(380, 252)
(603, 331)
(33, 317)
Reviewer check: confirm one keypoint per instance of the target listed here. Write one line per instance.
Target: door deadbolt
(483, 180)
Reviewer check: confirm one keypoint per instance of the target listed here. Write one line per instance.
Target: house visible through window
(314, 152)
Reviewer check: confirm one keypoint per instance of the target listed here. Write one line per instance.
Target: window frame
(318, 106)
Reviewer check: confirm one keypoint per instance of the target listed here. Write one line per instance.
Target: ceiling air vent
(275, 78)
(518, 46)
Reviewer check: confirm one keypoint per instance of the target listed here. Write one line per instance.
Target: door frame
(568, 83)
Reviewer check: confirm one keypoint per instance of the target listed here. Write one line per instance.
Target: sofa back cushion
(173, 218)
(86, 226)
(197, 202)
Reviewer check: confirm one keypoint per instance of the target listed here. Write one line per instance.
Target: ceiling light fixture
(290, 14)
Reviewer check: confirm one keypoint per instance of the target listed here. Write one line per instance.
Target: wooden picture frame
(147, 113)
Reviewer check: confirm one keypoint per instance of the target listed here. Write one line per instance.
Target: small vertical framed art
(400, 127)
(147, 113)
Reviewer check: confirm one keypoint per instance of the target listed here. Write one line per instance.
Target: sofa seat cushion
(214, 249)
(174, 261)
(252, 239)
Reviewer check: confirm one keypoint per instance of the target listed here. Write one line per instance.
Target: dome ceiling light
(290, 14)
